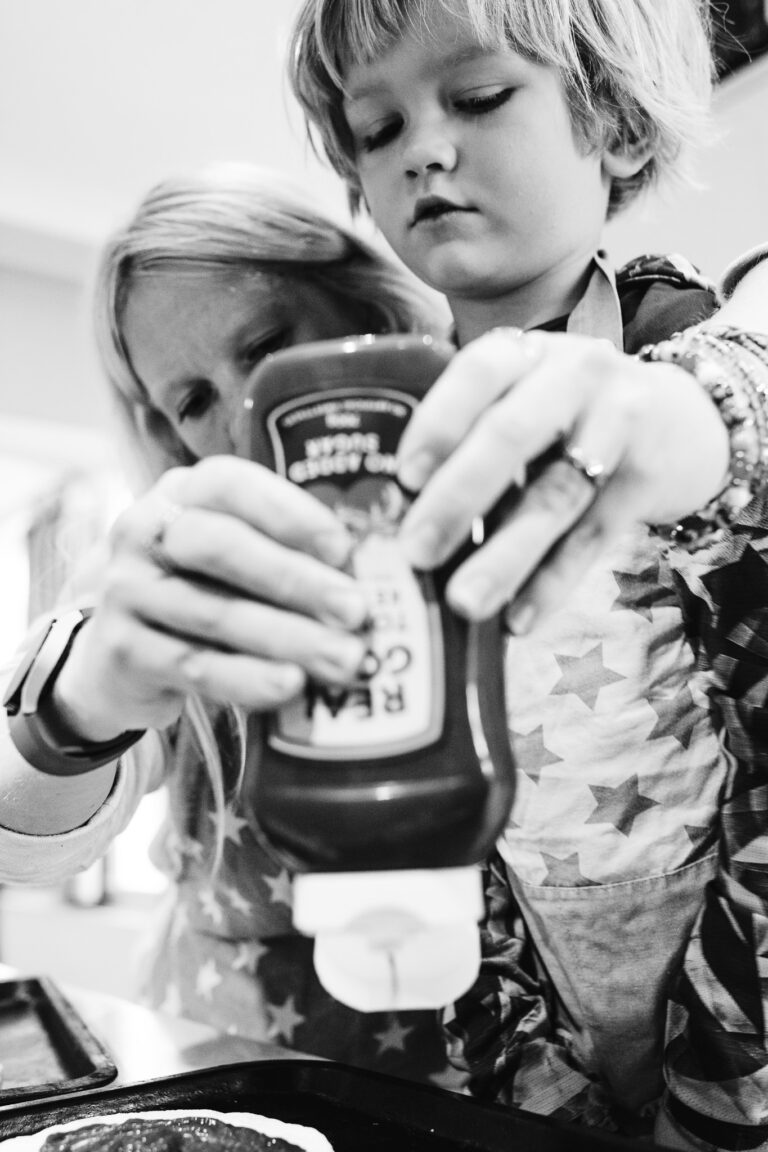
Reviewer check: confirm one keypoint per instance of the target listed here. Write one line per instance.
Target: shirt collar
(598, 312)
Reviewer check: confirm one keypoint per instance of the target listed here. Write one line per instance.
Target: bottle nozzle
(388, 941)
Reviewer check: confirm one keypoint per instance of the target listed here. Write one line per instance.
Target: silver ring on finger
(591, 469)
(156, 544)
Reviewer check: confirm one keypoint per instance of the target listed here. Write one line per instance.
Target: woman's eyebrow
(255, 332)
(169, 392)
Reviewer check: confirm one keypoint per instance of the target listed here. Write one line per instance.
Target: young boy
(627, 920)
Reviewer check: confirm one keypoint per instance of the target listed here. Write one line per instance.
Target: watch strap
(41, 737)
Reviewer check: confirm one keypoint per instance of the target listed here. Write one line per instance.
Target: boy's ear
(625, 160)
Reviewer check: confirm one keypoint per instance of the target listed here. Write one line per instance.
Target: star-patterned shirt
(626, 929)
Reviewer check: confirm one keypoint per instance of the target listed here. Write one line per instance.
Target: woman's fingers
(543, 512)
(582, 444)
(614, 512)
(155, 670)
(224, 579)
(476, 377)
(228, 552)
(267, 502)
(206, 615)
(271, 546)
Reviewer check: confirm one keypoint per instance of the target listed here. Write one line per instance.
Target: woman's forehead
(202, 286)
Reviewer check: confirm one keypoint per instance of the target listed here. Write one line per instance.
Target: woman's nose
(429, 149)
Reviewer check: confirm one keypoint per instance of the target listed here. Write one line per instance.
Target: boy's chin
(455, 269)
(468, 282)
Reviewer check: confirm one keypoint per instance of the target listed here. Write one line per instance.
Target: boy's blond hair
(638, 74)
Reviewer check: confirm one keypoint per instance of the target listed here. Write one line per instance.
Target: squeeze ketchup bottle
(382, 797)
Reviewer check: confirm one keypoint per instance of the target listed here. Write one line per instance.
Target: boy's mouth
(433, 208)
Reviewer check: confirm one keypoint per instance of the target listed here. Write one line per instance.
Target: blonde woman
(213, 272)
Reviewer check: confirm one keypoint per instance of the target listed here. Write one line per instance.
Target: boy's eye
(253, 353)
(480, 102)
(196, 402)
(379, 136)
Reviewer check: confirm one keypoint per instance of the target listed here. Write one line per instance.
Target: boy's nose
(429, 151)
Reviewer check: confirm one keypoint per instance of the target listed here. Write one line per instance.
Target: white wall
(728, 213)
(99, 99)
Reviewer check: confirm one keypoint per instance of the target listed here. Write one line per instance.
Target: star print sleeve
(716, 1057)
(28, 859)
(501, 1031)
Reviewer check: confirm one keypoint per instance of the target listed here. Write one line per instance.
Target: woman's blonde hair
(637, 74)
(230, 217)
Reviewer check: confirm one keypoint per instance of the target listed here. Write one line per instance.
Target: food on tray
(173, 1130)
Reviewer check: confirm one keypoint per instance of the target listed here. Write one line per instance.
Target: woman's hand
(224, 580)
(648, 434)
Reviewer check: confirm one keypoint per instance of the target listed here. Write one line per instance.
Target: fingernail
(520, 619)
(334, 547)
(419, 545)
(287, 680)
(414, 471)
(347, 606)
(472, 597)
(342, 661)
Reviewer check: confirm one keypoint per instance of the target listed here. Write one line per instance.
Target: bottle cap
(389, 941)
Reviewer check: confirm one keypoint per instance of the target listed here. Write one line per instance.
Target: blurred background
(99, 99)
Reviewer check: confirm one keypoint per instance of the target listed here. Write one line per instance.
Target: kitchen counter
(148, 1045)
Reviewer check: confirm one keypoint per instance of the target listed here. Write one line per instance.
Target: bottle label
(342, 446)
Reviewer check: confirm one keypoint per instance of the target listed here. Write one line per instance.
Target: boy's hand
(648, 433)
(225, 580)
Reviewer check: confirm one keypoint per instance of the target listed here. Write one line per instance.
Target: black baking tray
(358, 1111)
(45, 1046)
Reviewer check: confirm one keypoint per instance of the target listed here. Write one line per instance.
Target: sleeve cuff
(739, 268)
(42, 860)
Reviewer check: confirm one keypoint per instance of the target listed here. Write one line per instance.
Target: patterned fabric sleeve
(716, 1059)
(503, 1026)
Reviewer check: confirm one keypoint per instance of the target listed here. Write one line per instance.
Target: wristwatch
(41, 737)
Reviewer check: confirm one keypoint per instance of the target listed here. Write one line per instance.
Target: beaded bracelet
(732, 367)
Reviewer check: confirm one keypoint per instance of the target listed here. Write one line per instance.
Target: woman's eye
(196, 402)
(380, 136)
(254, 353)
(477, 105)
